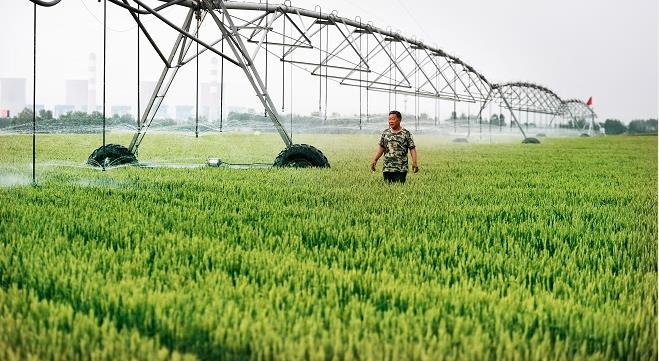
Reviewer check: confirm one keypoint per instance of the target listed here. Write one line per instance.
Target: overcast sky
(606, 49)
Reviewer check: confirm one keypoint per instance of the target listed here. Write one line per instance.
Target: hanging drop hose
(527, 120)
(500, 120)
(320, 63)
(438, 111)
(196, 127)
(283, 68)
(267, 30)
(360, 76)
(395, 78)
(489, 127)
(291, 98)
(391, 64)
(326, 68)
(455, 114)
(468, 117)
(367, 75)
(416, 91)
(480, 124)
(222, 84)
(34, 99)
(105, 27)
(437, 100)
(139, 113)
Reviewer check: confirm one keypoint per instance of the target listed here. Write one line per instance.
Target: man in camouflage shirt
(394, 144)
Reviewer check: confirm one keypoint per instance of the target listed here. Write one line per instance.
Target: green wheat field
(491, 252)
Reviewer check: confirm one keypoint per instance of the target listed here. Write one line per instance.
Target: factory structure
(83, 95)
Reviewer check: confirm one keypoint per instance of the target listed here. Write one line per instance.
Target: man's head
(394, 119)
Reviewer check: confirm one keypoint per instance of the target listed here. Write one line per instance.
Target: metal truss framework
(578, 111)
(533, 98)
(530, 98)
(357, 54)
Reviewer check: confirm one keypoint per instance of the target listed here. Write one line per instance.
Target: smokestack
(91, 96)
(214, 91)
(214, 70)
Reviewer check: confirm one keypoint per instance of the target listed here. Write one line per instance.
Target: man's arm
(378, 153)
(415, 168)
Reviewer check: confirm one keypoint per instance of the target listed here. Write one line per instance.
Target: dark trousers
(395, 177)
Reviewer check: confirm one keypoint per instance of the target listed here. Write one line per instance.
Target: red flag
(590, 101)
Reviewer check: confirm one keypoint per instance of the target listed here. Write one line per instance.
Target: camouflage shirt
(396, 146)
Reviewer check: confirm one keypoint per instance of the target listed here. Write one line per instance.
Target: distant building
(184, 112)
(120, 110)
(5, 113)
(77, 94)
(12, 94)
(91, 86)
(204, 111)
(162, 112)
(209, 99)
(146, 90)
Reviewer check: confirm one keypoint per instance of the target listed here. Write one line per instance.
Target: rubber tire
(301, 156)
(585, 135)
(111, 155)
(460, 140)
(530, 140)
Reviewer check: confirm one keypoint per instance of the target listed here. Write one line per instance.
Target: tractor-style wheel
(301, 156)
(531, 140)
(111, 155)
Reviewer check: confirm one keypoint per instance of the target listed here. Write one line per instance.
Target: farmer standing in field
(394, 144)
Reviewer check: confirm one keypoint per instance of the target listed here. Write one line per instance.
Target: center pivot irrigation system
(357, 54)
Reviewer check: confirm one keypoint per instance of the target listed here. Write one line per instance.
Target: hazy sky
(601, 48)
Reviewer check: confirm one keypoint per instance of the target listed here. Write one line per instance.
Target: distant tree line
(80, 121)
(46, 120)
(637, 126)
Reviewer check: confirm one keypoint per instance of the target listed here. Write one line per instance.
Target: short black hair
(397, 114)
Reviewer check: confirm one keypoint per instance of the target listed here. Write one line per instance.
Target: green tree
(497, 119)
(639, 126)
(23, 117)
(45, 115)
(614, 126)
